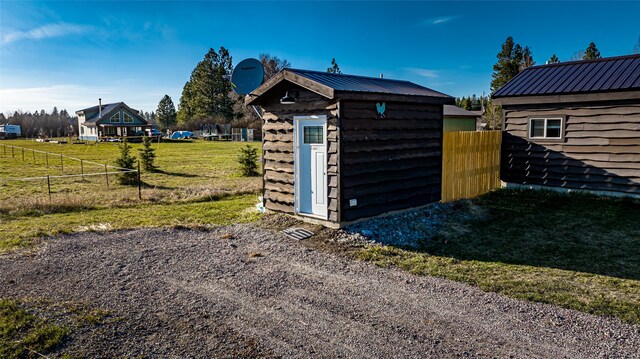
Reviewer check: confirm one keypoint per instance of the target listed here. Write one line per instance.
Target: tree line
(208, 97)
(511, 60)
(43, 124)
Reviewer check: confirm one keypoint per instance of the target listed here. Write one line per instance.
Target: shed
(459, 119)
(574, 125)
(339, 148)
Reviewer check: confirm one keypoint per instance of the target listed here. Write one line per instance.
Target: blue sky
(67, 54)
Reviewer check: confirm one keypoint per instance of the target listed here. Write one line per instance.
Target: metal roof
(353, 83)
(93, 113)
(450, 110)
(587, 76)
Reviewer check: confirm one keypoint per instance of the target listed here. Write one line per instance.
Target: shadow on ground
(536, 228)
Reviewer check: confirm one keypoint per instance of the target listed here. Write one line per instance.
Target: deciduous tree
(272, 65)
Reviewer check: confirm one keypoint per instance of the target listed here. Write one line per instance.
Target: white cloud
(423, 72)
(44, 32)
(439, 20)
(73, 97)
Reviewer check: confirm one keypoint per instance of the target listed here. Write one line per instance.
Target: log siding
(278, 151)
(389, 163)
(600, 150)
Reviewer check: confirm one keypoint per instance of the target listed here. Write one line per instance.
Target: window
(115, 118)
(127, 118)
(546, 128)
(313, 134)
(110, 130)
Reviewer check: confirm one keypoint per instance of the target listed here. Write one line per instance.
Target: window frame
(114, 115)
(315, 136)
(124, 118)
(546, 127)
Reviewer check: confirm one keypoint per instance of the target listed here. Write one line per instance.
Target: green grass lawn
(197, 183)
(24, 335)
(186, 170)
(575, 251)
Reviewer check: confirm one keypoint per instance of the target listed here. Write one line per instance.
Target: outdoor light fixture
(287, 100)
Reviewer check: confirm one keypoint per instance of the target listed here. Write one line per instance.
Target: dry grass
(196, 181)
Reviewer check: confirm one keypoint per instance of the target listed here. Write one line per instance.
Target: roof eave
(566, 98)
(439, 100)
(254, 97)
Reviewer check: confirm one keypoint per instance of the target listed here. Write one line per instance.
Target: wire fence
(55, 160)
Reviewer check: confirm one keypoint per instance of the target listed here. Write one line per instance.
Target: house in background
(459, 119)
(339, 148)
(110, 120)
(574, 125)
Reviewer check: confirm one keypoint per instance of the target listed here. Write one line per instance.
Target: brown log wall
(389, 163)
(600, 151)
(278, 152)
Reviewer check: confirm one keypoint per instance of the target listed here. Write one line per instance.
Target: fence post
(5, 149)
(22, 153)
(139, 182)
(49, 187)
(82, 169)
(106, 175)
(33, 152)
(61, 164)
(46, 158)
(12, 152)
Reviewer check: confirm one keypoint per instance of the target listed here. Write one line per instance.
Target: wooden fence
(470, 163)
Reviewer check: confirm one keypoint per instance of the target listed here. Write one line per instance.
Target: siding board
(600, 151)
(389, 163)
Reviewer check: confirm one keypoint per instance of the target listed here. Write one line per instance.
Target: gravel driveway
(243, 291)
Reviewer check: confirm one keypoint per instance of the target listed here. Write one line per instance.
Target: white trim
(546, 126)
(114, 115)
(124, 118)
(296, 162)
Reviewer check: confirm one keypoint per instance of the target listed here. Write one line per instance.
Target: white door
(310, 134)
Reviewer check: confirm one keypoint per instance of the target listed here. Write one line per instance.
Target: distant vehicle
(7, 136)
(15, 129)
(153, 133)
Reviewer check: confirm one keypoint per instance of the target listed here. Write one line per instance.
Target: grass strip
(22, 334)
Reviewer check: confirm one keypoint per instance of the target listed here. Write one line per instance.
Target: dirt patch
(181, 293)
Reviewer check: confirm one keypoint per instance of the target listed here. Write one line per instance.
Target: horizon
(64, 55)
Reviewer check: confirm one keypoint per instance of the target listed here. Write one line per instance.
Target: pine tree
(592, 52)
(166, 113)
(248, 160)
(147, 155)
(334, 69)
(554, 59)
(207, 93)
(512, 59)
(126, 161)
(505, 68)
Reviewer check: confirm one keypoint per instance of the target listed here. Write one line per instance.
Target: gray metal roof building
(576, 77)
(353, 83)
